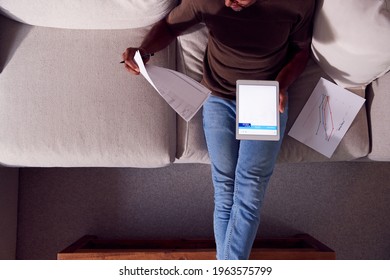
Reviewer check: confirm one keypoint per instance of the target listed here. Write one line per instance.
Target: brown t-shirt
(251, 44)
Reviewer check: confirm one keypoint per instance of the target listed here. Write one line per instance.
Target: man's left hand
(283, 97)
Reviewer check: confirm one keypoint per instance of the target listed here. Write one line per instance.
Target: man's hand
(283, 97)
(291, 72)
(130, 64)
(158, 38)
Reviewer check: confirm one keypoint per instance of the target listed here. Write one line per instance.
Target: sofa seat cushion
(65, 100)
(351, 40)
(87, 14)
(379, 103)
(191, 141)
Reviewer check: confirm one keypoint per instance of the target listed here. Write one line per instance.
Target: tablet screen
(257, 110)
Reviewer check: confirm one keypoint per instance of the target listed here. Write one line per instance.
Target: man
(252, 40)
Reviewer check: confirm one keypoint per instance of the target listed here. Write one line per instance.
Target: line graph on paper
(326, 117)
(323, 112)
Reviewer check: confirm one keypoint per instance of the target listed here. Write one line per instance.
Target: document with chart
(326, 117)
(185, 95)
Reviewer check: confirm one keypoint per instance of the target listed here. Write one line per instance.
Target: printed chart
(322, 111)
(326, 117)
(326, 123)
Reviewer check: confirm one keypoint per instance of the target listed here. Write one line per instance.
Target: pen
(148, 55)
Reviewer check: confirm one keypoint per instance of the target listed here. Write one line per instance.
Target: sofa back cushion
(87, 14)
(351, 40)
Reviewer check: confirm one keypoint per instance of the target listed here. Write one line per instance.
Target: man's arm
(159, 37)
(290, 72)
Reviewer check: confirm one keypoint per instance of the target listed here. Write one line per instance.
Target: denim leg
(219, 128)
(240, 172)
(256, 161)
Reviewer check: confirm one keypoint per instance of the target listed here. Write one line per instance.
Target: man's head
(238, 5)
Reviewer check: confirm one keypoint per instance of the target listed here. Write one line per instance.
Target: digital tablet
(257, 110)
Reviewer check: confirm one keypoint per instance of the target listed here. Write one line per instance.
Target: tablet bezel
(256, 136)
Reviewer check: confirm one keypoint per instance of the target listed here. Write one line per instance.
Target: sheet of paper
(326, 117)
(185, 95)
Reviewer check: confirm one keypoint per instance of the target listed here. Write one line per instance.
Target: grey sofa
(65, 101)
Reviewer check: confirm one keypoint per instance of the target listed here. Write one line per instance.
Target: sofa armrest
(378, 102)
(9, 180)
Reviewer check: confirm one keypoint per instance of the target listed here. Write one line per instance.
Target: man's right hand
(130, 64)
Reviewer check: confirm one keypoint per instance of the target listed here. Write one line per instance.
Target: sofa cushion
(351, 40)
(65, 100)
(191, 142)
(87, 14)
(379, 104)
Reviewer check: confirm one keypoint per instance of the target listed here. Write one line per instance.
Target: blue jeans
(241, 170)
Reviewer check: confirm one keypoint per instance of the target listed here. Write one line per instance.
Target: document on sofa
(185, 95)
(326, 117)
